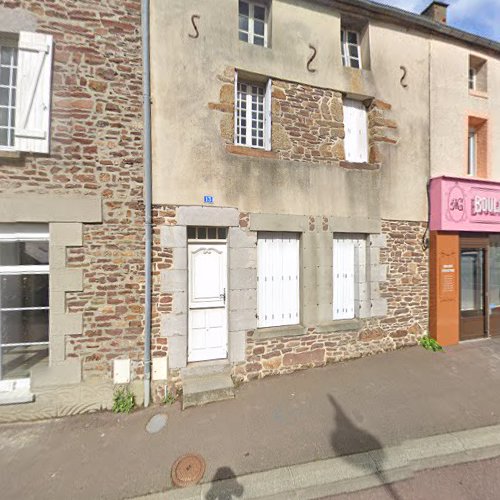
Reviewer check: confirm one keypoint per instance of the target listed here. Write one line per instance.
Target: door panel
(494, 288)
(207, 301)
(472, 293)
(207, 266)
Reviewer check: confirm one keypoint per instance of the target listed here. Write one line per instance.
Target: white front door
(207, 301)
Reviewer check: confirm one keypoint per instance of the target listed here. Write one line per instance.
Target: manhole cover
(188, 469)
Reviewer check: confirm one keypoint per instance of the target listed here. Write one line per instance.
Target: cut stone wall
(307, 124)
(96, 152)
(402, 306)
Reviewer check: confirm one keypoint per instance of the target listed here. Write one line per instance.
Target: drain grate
(188, 470)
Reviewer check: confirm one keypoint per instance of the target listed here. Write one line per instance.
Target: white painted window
(472, 78)
(351, 54)
(356, 131)
(349, 268)
(25, 90)
(253, 114)
(472, 152)
(253, 22)
(8, 84)
(278, 272)
(24, 298)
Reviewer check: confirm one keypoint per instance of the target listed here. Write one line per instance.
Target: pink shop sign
(464, 205)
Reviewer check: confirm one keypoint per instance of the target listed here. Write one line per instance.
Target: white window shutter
(33, 92)
(356, 131)
(278, 279)
(343, 278)
(349, 130)
(267, 117)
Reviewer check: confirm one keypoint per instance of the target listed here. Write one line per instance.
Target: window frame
(344, 43)
(29, 234)
(11, 43)
(251, 23)
(472, 78)
(472, 152)
(245, 140)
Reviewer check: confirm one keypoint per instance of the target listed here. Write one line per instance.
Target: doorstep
(206, 382)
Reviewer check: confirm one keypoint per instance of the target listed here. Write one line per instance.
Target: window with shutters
(24, 298)
(253, 114)
(349, 270)
(253, 22)
(25, 91)
(356, 131)
(278, 279)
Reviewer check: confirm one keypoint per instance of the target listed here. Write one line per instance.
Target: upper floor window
(356, 131)
(350, 44)
(8, 81)
(253, 22)
(478, 77)
(25, 91)
(477, 147)
(253, 114)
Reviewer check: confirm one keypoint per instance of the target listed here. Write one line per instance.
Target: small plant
(430, 344)
(169, 398)
(123, 400)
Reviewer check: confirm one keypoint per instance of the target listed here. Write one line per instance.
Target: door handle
(223, 296)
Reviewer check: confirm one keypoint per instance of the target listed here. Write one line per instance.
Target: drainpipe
(146, 84)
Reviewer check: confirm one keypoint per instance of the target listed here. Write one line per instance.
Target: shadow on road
(224, 485)
(348, 440)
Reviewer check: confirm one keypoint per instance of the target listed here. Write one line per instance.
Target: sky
(481, 17)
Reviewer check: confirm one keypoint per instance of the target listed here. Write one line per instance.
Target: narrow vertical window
(472, 155)
(351, 55)
(253, 114)
(253, 23)
(356, 131)
(277, 279)
(8, 81)
(472, 79)
(24, 299)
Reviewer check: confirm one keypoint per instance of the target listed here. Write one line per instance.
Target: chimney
(436, 11)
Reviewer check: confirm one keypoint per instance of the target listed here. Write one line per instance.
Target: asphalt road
(471, 481)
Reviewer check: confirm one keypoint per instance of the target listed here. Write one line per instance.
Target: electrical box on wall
(121, 371)
(160, 368)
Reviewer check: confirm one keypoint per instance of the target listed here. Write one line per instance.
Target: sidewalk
(343, 409)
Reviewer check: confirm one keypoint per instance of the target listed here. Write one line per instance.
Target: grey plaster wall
(192, 157)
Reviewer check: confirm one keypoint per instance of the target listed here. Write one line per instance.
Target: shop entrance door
(494, 285)
(473, 286)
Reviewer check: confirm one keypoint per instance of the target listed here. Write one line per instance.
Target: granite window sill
(279, 331)
(359, 166)
(340, 325)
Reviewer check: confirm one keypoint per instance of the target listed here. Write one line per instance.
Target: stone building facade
(289, 189)
(87, 189)
(297, 186)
